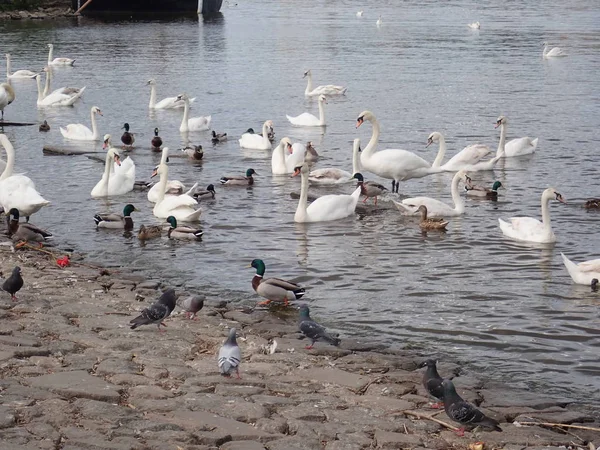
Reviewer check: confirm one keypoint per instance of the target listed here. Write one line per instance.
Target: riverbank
(36, 10)
(74, 376)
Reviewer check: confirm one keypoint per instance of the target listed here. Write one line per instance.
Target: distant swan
(58, 61)
(328, 89)
(468, 156)
(165, 103)
(115, 181)
(56, 98)
(515, 147)
(79, 132)
(359, 13)
(555, 52)
(379, 22)
(201, 123)
(529, 229)
(474, 26)
(19, 74)
(309, 120)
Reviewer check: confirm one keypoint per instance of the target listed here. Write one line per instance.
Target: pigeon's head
(16, 270)
(232, 335)
(304, 310)
(448, 388)
(428, 363)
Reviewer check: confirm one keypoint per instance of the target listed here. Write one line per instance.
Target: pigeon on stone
(313, 330)
(14, 283)
(463, 412)
(230, 356)
(433, 382)
(157, 312)
(191, 305)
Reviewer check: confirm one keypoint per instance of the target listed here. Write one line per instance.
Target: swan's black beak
(429, 142)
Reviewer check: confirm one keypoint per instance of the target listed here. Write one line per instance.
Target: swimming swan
(201, 123)
(79, 132)
(328, 89)
(308, 119)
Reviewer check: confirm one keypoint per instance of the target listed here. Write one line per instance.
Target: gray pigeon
(14, 283)
(157, 312)
(230, 356)
(191, 305)
(433, 382)
(313, 330)
(463, 412)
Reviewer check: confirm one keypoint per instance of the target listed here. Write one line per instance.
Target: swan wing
(76, 131)
(520, 146)
(525, 229)
(327, 89)
(332, 207)
(169, 103)
(471, 154)
(435, 208)
(329, 175)
(592, 265)
(199, 123)
(395, 164)
(122, 180)
(254, 141)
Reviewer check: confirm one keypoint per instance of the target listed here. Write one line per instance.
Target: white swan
(63, 90)
(286, 157)
(58, 97)
(201, 123)
(79, 132)
(173, 187)
(309, 120)
(19, 74)
(469, 155)
(257, 141)
(584, 272)
(532, 230)
(474, 26)
(325, 208)
(117, 180)
(379, 22)
(58, 61)
(436, 208)
(554, 52)
(397, 165)
(515, 147)
(331, 175)
(165, 103)
(179, 206)
(7, 96)
(328, 89)
(359, 13)
(18, 191)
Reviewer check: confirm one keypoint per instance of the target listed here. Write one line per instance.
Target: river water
(508, 310)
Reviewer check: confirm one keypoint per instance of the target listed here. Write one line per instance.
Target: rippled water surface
(509, 310)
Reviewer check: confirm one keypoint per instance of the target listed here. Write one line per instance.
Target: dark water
(506, 309)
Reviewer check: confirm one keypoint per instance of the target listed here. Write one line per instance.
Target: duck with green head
(481, 191)
(183, 232)
(369, 188)
(127, 138)
(25, 232)
(156, 141)
(274, 289)
(248, 180)
(116, 221)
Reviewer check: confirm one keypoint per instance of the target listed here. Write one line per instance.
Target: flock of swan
(174, 203)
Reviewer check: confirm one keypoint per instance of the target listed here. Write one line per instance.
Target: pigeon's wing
(311, 329)
(434, 387)
(229, 358)
(465, 413)
(152, 314)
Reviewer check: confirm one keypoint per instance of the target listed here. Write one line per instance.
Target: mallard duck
(205, 195)
(45, 126)
(156, 141)
(25, 232)
(369, 188)
(183, 232)
(430, 224)
(592, 203)
(480, 191)
(140, 185)
(117, 221)
(218, 137)
(127, 138)
(150, 232)
(194, 152)
(311, 153)
(239, 181)
(273, 289)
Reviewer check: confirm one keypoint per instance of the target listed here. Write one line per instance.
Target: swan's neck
(39, 87)
(152, 96)
(47, 85)
(501, 149)
(546, 213)
(8, 68)
(163, 158)
(162, 184)
(94, 127)
(50, 55)
(265, 135)
(309, 86)
(10, 159)
(186, 113)
(441, 153)
(459, 203)
(281, 153)
(107, 169)
(322, 113)
(301, 212)
(370, 148)
(356, 166)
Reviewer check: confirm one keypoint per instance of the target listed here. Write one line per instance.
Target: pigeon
(14, 283)
(433, 382)
(463, 412)
(191, 305)
(157, 312)
(230, 356)
(313, 330)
